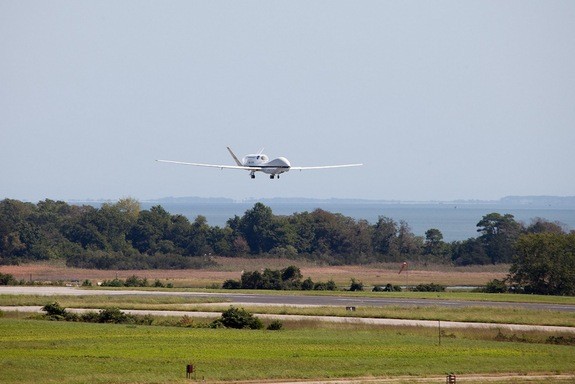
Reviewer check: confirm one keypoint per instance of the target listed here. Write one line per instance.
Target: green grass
(60, 352)
(511, 315)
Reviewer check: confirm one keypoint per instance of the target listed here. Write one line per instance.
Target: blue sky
(440, 100)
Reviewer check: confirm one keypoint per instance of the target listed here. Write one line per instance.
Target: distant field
(231, 268)
(62, 352)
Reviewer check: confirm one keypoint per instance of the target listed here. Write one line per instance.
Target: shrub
(158, 284)
(232, 284)
(90, 317)
(329, 286)
(307, 284)
(275, 325)
(114, 316)
(135, 281)
(54, 310)
(356, 285)
(496, 286)
(238, 318)
(429, 288)
(387, 288)
(113, 283)
(7, 279)
(86, 283)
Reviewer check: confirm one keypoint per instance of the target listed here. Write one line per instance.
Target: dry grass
(231, 268)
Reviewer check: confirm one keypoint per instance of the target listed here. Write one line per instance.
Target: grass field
(231, 268)
(57, 352)
(60, 352)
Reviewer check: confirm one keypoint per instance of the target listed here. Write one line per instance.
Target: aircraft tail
(235, 157)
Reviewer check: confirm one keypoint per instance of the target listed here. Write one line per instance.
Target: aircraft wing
(213, 165)
(325, 167)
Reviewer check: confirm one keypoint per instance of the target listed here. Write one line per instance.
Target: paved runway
(293, 300)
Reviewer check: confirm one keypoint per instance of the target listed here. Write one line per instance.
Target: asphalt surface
(289, 300)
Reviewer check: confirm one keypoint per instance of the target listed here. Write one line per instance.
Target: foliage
(113, 315)
(285, 279)
(387, 288)
(498, 236)
(355, 285)
(545, 264)
(329, 286)
(496, 286)
(123, 236)
(7, 279)
(275, 325)
(237, 318)
(429, 288)
(54, 309)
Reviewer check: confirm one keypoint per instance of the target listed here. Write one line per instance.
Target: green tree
(545, 264)
(434, 244)
(384, 238)
(409, 244)
(257, 228)
(469, 252)
(498, 236)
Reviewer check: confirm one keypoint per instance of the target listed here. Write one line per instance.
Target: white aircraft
(261, 163)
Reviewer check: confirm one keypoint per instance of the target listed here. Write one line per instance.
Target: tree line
(123, 236)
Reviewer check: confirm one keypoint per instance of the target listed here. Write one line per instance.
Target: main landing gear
(253, 176)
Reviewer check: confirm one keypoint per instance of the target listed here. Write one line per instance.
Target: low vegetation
(70, 352)
(232, 317)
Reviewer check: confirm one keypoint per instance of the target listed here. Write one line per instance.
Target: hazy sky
(440, 99)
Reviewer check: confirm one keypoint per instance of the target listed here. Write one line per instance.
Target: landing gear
(272, 176)
(252, 175)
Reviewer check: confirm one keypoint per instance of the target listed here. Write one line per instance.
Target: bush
(356, 285)
(86, 283)
(275, 325)
(114, 316)
(7, 279)
(307, 284)
(135, 281)
(429, 288)
(90, 317)
(496, 286)
(231, 284)
(55, 311)
(387, 288)
(237, 318)
(329, 286)
(113, 283)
